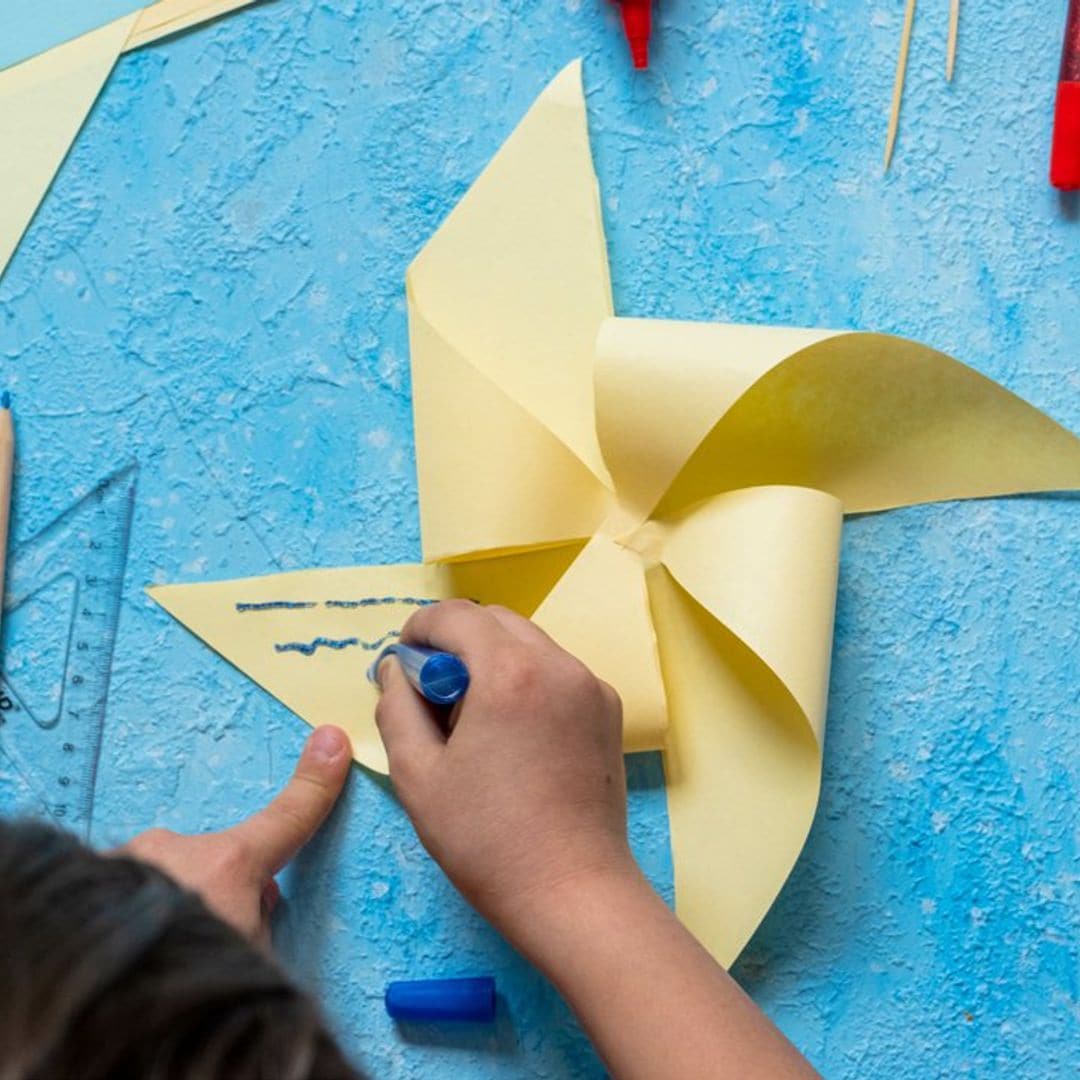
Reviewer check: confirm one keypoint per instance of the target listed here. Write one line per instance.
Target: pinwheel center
(646, 540)
(626, 528)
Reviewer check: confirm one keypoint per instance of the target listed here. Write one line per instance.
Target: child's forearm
(653, 1001)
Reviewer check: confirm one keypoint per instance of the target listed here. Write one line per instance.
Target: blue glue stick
(434, 1000)
(441, 677)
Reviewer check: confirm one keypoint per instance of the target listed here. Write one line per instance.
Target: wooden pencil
(7, 458)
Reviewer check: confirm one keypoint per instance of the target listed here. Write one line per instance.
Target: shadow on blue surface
(644, 772)
(499, 1039)
(1069, 204)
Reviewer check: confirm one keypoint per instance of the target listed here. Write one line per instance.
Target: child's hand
(528, 794)
(233, 870)
(524, 807)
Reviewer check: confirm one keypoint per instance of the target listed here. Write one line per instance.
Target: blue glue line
(378, 601)
(275, 605)
(367, 601)
(309, 648)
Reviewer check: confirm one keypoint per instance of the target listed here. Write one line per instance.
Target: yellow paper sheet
(686, 544)
(171, 16)
(43, 103)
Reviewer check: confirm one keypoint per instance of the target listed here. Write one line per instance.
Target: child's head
(113, 971)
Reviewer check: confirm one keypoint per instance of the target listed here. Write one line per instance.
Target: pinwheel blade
(879, 422)
(743, 769)
(599, 611)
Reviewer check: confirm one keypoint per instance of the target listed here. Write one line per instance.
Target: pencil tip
(5, 400)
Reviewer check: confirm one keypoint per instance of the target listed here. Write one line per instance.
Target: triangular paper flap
(308, 637)
(516, 278)
(879, 422)
(43, 103)
(764, 561)
(661, 386)
(490, 475)
(742, 769)
(599, 611)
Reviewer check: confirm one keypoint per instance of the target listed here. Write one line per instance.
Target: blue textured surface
(214, 286)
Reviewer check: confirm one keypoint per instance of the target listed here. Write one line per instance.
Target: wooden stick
(954, 28)
(898, 85)
(7, 457)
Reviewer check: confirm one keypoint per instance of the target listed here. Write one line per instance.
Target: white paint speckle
(390, 368)
(899, 770)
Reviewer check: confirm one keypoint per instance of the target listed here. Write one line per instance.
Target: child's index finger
(275, 834)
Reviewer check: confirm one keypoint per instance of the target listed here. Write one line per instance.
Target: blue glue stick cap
(433, 1000)
(440, 676)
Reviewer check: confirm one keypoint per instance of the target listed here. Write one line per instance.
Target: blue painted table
(214, 289)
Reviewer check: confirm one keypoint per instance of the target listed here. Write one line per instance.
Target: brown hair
(113, 971)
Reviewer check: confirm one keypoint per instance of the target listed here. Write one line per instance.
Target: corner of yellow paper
(43, 103)
(308, 637)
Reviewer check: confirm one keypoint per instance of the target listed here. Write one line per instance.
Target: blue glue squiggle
(309, 648)
(378, 601)
(275, 605)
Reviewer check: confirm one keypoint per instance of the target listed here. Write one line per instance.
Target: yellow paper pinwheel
(664, 498)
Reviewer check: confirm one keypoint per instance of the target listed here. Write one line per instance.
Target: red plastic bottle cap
(637, 25)
(1065, 150)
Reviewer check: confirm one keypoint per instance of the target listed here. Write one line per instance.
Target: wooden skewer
(898, 85)
(954, 27)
